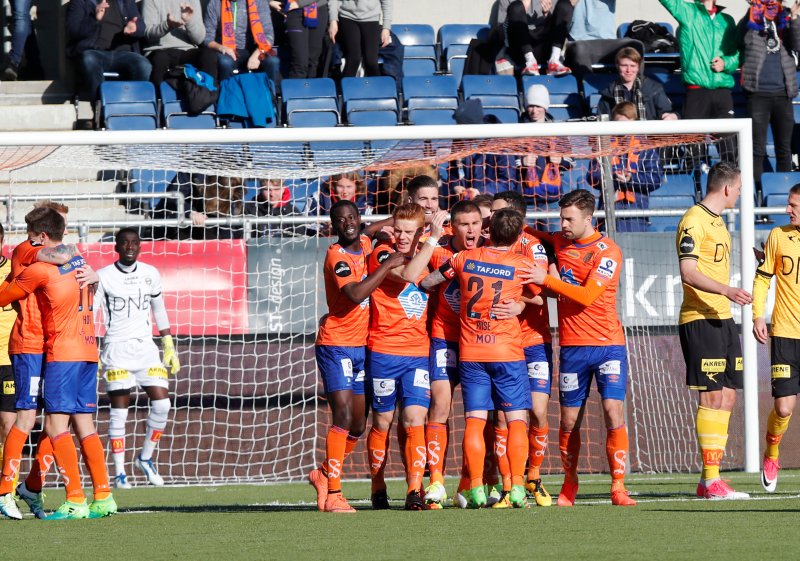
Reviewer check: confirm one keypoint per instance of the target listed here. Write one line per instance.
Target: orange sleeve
(546, 237)
(11, 293)
(583, 295)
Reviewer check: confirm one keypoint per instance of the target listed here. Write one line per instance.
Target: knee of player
(26, 419)
(160, 407)
(343, 418)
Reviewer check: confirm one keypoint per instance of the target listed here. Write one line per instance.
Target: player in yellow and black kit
(709, 337)
(781, 260)
(8, 412)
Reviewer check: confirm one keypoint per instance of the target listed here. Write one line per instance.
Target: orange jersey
(447, 230)
(535, 320)
(398, 325)
(67, 310)
(595, 261)
(346, 323)
(487, 275)
(26, 335)
(446, 323)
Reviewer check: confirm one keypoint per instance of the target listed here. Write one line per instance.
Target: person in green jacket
(709, 45)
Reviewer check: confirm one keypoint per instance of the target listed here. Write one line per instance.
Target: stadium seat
(565, 97)
(498, 94)
(430, 100)
(454, 39)
(419, 52)
(593, 84)
(129, 105)
(676, 185)
(370, 101)
(664, 223)
(778, 183)
(668, 223)
(769, 221)
(675, 90)
(174, 114)
(148, 182)
(310, 102)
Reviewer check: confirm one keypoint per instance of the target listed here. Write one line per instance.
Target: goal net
(236, 222)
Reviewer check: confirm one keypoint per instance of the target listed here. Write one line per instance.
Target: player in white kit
(127, 292)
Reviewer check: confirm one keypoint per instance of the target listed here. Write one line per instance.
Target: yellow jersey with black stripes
(703, 236)
(781, 260)
(7, 317)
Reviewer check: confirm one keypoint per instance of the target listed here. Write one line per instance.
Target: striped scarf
(763, 11)
(636, 96)
(310, 17)
(228, 33)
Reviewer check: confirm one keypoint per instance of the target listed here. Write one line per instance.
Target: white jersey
(125, 300)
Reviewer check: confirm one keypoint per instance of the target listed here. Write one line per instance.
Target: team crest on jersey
(587, 258)
(452, 295)
(567, 276)
(607, 268)
(489, 269)
(413, 301)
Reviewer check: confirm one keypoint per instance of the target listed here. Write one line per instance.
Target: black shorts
(785, 366)
(7, 398)
(713, 354)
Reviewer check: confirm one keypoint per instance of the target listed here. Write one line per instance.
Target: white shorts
(127, 364)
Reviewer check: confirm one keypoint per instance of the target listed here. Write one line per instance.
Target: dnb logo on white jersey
(413, 301)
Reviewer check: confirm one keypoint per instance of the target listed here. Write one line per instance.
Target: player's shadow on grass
(222, 509)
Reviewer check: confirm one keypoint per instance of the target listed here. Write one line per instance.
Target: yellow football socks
(712, 436)
(776, 426)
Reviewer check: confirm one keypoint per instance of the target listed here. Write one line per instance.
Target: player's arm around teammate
(780, 259)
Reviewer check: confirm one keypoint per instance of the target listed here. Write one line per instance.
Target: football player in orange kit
(591, 337)
(340, 346)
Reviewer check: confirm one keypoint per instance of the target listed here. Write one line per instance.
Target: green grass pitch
(231, 523)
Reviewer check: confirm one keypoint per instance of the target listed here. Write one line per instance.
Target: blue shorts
(341, 368)
(444, 361)
(70, 387)
(28, 377)
(539, 359)
(488, 386)
(403, 376)
(609, 365)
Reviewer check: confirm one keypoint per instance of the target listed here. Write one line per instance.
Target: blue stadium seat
(675, 90)
(310, 102)
(565, 97)
(370, 101)
(454, 39)
(174, 113)
(149, 182)
(129, 105)
(419, 53)
(430, 100)
(498, 94)
(664, 223)
(778, 183)
(668, 223)
(593, 84)
(658, 73)
(676, 185)
(769, 221)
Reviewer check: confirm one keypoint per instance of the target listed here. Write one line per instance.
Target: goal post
(249, 407)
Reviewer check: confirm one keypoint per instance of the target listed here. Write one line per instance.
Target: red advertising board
(204, 282)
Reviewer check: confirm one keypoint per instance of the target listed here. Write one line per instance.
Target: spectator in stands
(594, 20)
(771, 32)
(541, 177)
(21, 27)
(306, 24)
(535, 29)
(349, 186)
(361, 27)
(239, 37)
(480, 173)
(173, 31)
(636, 174)
(647, 95)
(104, 37)
(205, 196)
(275, 199)
(709, 46)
